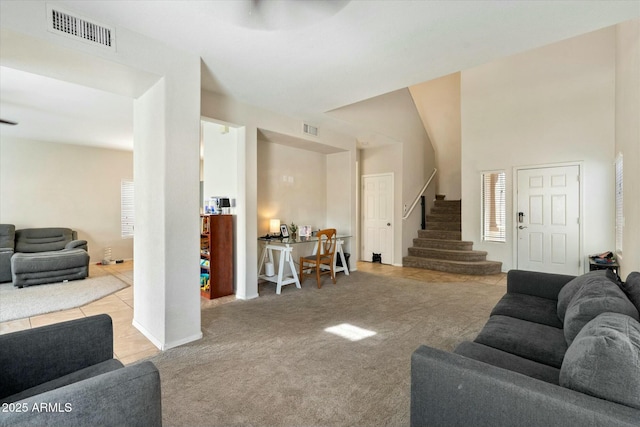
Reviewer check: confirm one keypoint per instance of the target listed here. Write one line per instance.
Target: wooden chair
(324, 256)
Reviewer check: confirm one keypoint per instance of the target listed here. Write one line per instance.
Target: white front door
(548, 219)
(377, 224)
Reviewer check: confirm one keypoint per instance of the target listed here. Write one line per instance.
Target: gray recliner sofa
(556, 351)
(65, 375)
(42, 255)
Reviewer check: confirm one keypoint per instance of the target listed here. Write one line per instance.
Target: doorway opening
(220, 143)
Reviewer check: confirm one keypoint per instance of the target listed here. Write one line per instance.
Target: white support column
(166, 180)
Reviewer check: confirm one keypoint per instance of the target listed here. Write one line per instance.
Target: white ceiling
(306, 58)
(51, 110)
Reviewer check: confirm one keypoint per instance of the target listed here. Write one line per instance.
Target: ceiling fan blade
(8, 122)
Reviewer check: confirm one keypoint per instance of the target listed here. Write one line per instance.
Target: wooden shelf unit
(216, 246)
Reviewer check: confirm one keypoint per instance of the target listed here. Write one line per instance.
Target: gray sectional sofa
(34, 256)
(65, 375)
(556, 351)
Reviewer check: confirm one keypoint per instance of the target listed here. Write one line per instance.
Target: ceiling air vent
(70, 25)
(310, 130)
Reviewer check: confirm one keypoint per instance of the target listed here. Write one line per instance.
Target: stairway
(440, 247)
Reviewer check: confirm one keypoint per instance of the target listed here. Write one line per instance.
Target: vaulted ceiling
(305, 58)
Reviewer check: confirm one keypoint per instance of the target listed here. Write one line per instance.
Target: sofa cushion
(541, 343)
(527, 307)
(631, 288)
(74, 377)
(604, 360)
(42, 239)
(592, 300)
(592, 278)
(502, 359)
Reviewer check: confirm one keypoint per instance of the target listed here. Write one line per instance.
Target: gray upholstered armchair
(69, 368)
(7, 247)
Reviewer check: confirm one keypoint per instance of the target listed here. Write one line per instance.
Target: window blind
(494, 206)
(619, 203)
(127, 215)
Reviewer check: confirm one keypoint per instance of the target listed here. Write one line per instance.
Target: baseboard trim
(147, 334)
(183, 341)
(165, 346)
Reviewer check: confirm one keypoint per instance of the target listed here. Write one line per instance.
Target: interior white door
(377, 224)
(548, 219)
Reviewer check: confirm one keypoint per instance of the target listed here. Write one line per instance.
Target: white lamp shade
(274, 226)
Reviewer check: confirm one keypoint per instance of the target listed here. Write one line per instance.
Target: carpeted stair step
(440, 246)
(454, 245)
(444, 217)
(440, 234)
(448, 254)
(445, 226)
(481, 268)
(446, 206)
(448, 203)
(444, 211)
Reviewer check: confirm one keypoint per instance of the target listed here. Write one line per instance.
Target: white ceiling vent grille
(70, 25)
(309, 130)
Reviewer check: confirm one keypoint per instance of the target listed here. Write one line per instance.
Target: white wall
(218, 107)
(44, 184)
(219, 166)
(292, 186)
(391, 120)
(438, 103)
(339, 197)
(628, 138)
(149, 204)
(552, 104)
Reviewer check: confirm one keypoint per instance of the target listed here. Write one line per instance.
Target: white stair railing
(415, 202)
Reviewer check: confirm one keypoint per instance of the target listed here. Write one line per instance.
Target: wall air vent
(309, 130)
(70, 25)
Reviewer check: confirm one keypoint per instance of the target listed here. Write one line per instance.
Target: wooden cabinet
(216, 256)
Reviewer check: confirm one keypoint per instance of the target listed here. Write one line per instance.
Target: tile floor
(430, 275)
(129, 345)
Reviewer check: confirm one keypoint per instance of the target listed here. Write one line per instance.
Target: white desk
(285, 247)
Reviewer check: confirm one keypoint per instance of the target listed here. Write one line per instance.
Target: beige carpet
(19, 303)
(270, 362)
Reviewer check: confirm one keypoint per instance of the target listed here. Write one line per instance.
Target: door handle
(522, 227)
(388, 224)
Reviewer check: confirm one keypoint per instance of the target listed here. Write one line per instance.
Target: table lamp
(274, 226)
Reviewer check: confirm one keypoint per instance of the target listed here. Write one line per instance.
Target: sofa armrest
(5, 264)
(544, 285)
(35, 356)
(129, 396)
(77, 244)
(452, 390)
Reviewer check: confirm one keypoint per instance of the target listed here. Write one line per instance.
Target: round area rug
(18, 303)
